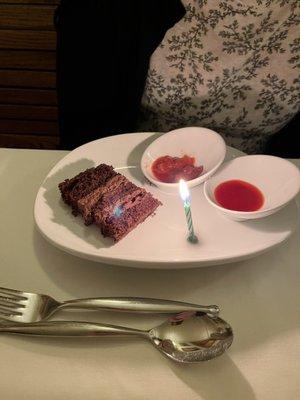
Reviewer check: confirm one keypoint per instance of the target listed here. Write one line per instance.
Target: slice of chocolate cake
(109, 200)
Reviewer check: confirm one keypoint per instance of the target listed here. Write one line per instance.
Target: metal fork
(18, 306)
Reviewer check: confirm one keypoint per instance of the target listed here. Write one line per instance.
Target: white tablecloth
(259, 297)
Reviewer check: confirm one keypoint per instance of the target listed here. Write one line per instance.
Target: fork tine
(5, 302)
(7, 313)
(13, 297)
(11, 290)
(5, 320)
(13, 293)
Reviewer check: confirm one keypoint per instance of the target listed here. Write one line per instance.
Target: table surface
(259, 297)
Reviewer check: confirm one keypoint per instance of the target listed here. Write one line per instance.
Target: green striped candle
(185, 195)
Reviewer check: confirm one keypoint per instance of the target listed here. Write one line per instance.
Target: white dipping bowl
(206, 146)
(277, 178)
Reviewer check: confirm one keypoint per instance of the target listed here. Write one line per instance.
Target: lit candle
(185, 195)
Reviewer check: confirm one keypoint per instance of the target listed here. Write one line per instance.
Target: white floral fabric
(232, 66)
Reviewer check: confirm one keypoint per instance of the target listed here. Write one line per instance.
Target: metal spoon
(187, 337)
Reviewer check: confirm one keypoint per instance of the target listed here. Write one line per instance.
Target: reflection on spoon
(188, 337)
(192, 337)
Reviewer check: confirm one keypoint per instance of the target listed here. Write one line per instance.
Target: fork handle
(138, 305)
(70, 329)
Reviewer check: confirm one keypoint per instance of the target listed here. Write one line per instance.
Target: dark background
(89, 94)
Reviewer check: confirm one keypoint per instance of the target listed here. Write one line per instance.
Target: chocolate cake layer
(84, 184)
(125, 218)
(87, 203)
(109, 200)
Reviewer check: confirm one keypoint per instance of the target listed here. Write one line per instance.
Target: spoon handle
(69, 328)
(138, 305)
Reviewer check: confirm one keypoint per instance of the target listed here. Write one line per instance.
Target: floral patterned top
(232, 66)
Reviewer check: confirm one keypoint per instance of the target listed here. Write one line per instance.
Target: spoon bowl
(190, 338)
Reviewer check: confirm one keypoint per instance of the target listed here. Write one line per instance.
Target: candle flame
(184, 190)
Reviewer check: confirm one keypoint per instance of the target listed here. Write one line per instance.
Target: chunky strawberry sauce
(171, 169)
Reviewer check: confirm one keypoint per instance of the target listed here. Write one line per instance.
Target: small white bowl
(206, 146)
(277, 178)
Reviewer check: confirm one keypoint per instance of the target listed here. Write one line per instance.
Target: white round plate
(160, 242)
